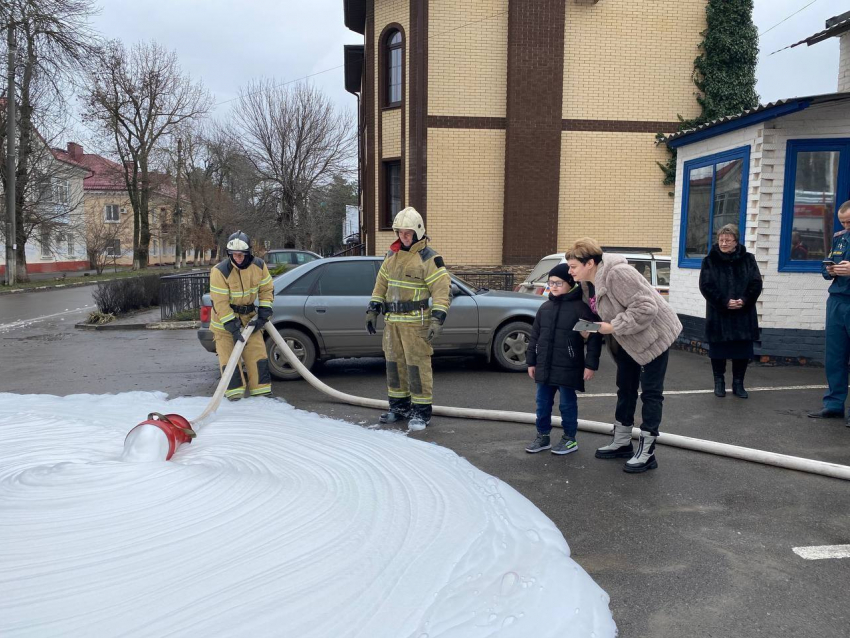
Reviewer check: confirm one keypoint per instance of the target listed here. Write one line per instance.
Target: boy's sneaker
(540, 443)
(566, 445)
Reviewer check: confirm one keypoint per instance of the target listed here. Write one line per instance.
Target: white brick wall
(844, 63)
(789, 300)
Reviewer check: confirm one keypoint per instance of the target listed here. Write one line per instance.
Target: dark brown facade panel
(418, 64)
(533, 129)
(618, 126)
(369, 97)
(383, 222)
(459, 121)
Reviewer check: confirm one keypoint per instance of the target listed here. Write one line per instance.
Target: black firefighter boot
(400, 409)
(421, 417)
(719, 385)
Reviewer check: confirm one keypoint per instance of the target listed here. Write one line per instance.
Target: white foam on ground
(272, 522)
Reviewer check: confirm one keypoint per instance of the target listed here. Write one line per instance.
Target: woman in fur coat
(730, 281)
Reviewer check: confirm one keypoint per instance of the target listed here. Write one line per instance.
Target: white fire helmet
(409, 219)
(238, 242)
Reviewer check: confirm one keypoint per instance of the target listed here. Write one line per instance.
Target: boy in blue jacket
(557, 361)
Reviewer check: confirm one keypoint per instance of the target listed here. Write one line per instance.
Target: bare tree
(138, 98)
(296, 141)
(54, 40)
(103, 241)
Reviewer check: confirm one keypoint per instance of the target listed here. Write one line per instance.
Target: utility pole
(11, 226)
(178, 248)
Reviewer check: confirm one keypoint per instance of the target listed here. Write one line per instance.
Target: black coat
(555, 349)
(724, 277)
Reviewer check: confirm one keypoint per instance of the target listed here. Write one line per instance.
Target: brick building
(780, 171)
(516, 126)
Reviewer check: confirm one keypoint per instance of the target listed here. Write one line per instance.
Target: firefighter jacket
(408, 279)
(235, 290)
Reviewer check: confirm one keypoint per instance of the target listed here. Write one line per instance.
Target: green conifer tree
(724, 71)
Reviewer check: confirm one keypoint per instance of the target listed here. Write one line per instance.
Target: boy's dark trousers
(568, 406)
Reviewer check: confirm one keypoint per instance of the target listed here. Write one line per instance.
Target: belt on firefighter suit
(243, 310)
(404, 306)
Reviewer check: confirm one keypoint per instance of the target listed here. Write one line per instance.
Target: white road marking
(672, 392)
(6, 327)
(820, 552)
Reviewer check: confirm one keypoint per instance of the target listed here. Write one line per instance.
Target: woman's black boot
(719, 386)
(738, 389)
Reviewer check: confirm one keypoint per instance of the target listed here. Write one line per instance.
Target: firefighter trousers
(408, 356)
(255, 360)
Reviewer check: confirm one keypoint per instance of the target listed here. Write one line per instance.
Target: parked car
(290, 257)
(655, 267)
(320, 310)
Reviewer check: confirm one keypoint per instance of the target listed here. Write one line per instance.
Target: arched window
(393, 66)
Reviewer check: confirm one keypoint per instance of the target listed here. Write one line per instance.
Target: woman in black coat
(557, 361)
(730, 281)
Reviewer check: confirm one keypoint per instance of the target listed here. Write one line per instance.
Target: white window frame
(112, 208)
(61, 191)
(45, 244)
(110, 250)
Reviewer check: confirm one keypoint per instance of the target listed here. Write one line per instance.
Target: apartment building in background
(515, 127)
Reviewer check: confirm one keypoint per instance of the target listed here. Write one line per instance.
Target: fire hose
(810, 466)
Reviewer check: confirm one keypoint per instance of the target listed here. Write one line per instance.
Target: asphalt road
(700, 547)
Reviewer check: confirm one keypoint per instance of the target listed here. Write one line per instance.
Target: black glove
(372, 313)
(234, 327)
(262, 318)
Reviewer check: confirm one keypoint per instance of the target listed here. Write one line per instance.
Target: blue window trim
(743, 153)
(842, 145)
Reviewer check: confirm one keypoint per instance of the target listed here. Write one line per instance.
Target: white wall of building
(789, 300)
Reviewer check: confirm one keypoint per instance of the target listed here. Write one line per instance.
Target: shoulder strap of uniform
(225, 267)
(839, 233)
(259, 263)
(427, 252)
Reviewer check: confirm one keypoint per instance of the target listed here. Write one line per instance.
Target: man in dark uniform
(837, 321)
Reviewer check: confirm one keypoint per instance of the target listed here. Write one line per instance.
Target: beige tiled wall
(611, 190)
(466, 181)
(631, 60)
(467, 57)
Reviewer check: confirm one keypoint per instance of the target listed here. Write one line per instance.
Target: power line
(430, 37)
(788, 18)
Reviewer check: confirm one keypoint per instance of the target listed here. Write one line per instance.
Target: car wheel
(510, 346)
(300, 344)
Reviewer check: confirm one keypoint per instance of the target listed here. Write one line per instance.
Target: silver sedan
(320, 310)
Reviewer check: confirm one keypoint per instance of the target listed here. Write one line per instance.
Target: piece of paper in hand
(586, 326)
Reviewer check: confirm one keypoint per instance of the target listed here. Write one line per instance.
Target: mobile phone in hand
(828, 262)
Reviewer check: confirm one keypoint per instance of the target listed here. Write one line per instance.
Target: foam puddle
(272, 522)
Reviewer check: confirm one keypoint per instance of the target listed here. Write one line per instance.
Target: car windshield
(542, 269)
(478, 290)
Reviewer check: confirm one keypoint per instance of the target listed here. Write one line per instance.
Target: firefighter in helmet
(413, 291)
(236, 285)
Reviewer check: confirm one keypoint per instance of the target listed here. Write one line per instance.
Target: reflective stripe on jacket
(413, 275)
(240, 287)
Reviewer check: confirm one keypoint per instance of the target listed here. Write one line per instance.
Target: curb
(79, 284)
(157, 325)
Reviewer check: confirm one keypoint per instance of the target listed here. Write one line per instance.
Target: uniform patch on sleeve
(438, 261)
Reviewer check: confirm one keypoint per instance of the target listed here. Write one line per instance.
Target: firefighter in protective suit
(412, 275)
(235, 285)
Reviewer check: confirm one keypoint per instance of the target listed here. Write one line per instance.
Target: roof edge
(354, 12)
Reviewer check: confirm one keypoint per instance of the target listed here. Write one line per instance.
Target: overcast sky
(225, 43)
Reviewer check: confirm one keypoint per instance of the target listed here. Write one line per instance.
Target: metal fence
(357, 250)
(181, 295)
(484, 279)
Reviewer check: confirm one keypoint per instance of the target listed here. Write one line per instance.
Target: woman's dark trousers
(631, 377)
